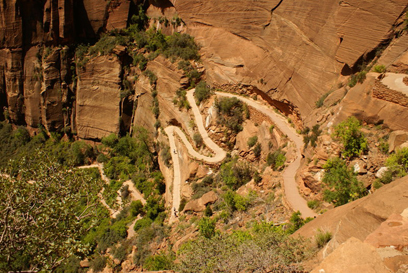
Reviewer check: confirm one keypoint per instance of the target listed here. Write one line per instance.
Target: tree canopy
(45, 209)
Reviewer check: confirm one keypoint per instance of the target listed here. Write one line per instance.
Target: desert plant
(379, 68)
(341, 183)
(322, 238)
(354, 141)
(252, 141)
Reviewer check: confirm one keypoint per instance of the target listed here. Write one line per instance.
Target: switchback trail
(296, 201)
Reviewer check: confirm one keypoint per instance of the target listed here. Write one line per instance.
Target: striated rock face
(362, 217)
(293, 51)
(98, 97)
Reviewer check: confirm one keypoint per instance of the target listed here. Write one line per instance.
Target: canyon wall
(290, 52)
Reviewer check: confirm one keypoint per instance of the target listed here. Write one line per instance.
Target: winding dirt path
(295, 200)
(133, 192)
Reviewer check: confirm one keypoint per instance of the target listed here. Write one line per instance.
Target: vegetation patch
(354, 141)
(341, 183)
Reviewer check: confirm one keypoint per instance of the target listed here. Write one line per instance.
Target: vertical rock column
(98, 97)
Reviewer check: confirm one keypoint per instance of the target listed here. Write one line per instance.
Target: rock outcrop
(291, 51)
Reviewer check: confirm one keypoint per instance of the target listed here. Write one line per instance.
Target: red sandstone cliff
(291, 51)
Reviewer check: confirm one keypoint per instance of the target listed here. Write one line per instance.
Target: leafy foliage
(261, 250)
(230, 113)
(322, 237)
(353, 139)
(311, 136)
(234, 173)
(397, 164)
(206, 226)
(252, 141)
(202, 92)
(45, 210)
(341, 183)
(276, 159)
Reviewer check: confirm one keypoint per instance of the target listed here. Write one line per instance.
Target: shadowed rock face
(290, 52)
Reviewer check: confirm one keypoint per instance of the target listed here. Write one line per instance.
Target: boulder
(380, 173)
(392, 232)
(199, 204)
(352, 256)
(396, 139)
(84, 263)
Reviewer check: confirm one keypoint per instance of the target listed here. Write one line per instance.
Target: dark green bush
(99, 263)
(258, 150)
(276, 159)
(202, 92)
(230, 113)
(206, 227)
(234, 174)
(341, 183)
(198, 139)
(142, 223)
(252, 141)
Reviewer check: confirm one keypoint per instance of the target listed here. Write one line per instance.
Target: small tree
(398, 163)
(202, 92)
(353, 139)
(341, 182)
(206, 226)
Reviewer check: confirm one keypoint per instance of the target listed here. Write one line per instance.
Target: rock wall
(294, 51)
(289, 52)
(382, 92)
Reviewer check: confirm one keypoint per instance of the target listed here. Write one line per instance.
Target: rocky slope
(366, 221)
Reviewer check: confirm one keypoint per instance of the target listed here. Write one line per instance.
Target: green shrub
(110, 141)
(397, 165)
(313, 204)
(159, 261)
(208, 211)
(379, 68)
(181, 46)
(234, 174)
(142, 223)
(357, 78)
(230, 113)
(198, 139)
(276, 159)
(152, 77)
(136, 208)
(98, 264)
(236, 201)
(296, 222)
(206, 227)
(252, 141)
(202, 92)
(354, 141)
(320, 101)
(341, 183)
(258, 150)
(166, 155)
(322, 238)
